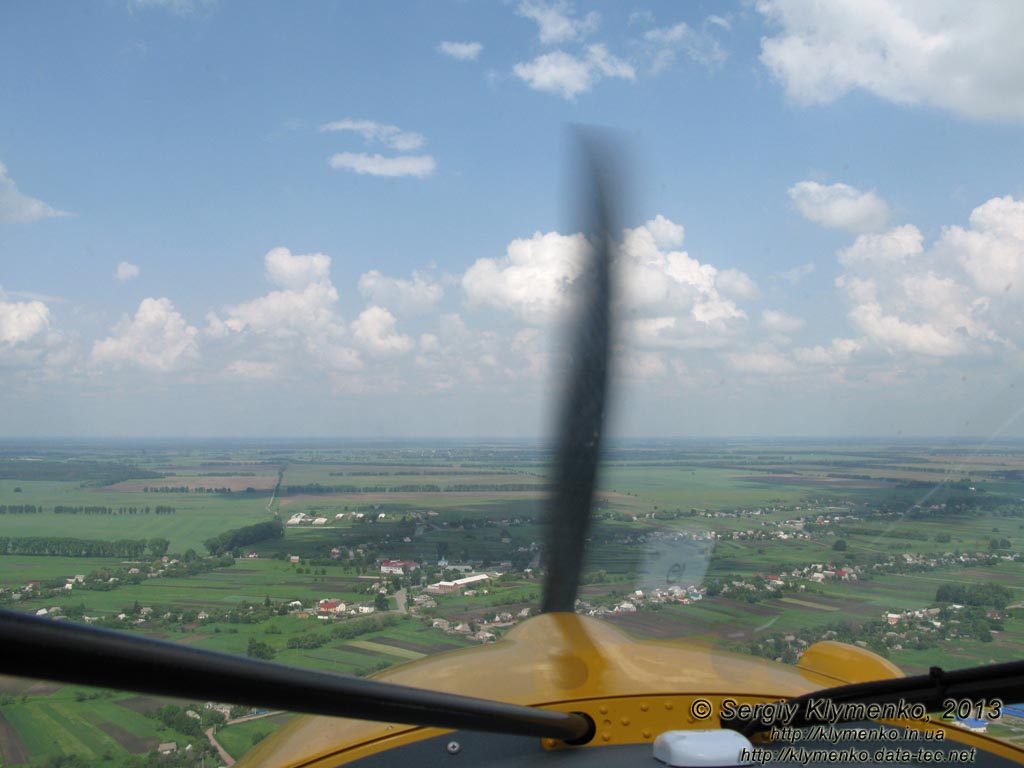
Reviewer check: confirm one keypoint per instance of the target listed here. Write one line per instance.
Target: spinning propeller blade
(582, 418)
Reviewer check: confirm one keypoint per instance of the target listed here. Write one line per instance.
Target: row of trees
(240, 537)
(20, 509)
(68, 547)
(189, 489)
(318, 488)
(81, 509)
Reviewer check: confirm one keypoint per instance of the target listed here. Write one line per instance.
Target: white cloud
(839, 351)
(664, 44)
(556, 22)
(840, 206)
(607, 65)
(992, 250)
(296, 271)
(157, 338)
(18, 208)
(909, 300)
(407, 296)
(777, 321)
(126, 271)
(374, 329)
(298, 324)
(669, 299)
(304, 306)
(390, 135)
(666, 233)
(899, 335)
(965, 59)
(670, 284)
(420, 166)
(21, 321)
(894, 247)
(559, 72)
(568, 76)
(531, 279)
(461, 51)
(720, 21)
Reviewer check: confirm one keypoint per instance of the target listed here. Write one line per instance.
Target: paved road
(400, 599)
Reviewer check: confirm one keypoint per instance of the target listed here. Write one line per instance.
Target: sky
(255, 219)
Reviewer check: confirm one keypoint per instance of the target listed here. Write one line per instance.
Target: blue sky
(255, 219)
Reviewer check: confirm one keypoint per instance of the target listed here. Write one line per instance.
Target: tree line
(991, 594)
(67, 509)
(60, 546)
(238, 537)
(81, 509)
(20, 509)
(319, 488)
(189, 489)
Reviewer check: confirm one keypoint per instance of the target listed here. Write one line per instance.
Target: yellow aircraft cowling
(632, 689)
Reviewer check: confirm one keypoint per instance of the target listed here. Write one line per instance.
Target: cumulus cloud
(966, 60)
(374, 329)
(19, 208)
(953, 298)
(992, 250)
(389, 135)
(362, 163)
(294, 271)
(666, 233)
(298, 321)
(407, 296)
(556, 22)
(126, 271)
(532, 278)
(894, 247)
(21, 321)
(567, 75)
(900, 335)
(461, 51)
(304, 305)
(669, 298)
(840, 206)
(686, 301)
(157, 338)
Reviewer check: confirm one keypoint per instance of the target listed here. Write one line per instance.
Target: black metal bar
(36, 647)
(992, 681)
(582, 418)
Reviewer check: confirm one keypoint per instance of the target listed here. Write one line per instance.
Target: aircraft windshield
(283, 300)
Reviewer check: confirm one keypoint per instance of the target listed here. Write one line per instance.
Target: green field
(57, 723)
(741, 494)
(239, 738)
